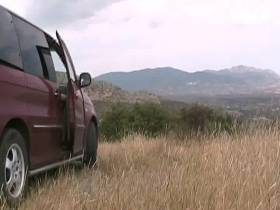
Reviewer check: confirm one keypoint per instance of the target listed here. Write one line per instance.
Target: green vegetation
(200, 119)
(152, 120)
(148, 119)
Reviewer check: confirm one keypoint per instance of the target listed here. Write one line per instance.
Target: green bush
(152, 120)
(201, 119)
(115, 123)
(147, 119)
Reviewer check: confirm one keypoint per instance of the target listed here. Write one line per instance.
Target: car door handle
(61, 96)
(56, 92)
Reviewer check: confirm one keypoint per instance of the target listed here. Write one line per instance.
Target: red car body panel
(13, 94)
(43, 108)
(32, 101)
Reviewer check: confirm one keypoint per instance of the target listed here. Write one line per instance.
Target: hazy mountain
(101, 91)
(169, 81)
(104, 95)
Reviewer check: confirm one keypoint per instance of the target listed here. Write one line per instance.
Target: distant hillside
(171, 82)
(101, 91)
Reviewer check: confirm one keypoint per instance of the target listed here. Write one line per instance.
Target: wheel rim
(14, 171)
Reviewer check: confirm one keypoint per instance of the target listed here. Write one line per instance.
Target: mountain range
(168, 81)
(101, 91)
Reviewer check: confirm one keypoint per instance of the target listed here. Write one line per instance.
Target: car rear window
(9, 47)
(31, 41)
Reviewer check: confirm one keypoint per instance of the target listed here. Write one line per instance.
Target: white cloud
(18, 6)
(63, 13)
(189, 34)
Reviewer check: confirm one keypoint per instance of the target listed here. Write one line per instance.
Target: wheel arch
(21, 126)
(91, 119)
(95, 121)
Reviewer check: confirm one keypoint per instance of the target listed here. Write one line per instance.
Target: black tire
(90, 155)
(11, 141)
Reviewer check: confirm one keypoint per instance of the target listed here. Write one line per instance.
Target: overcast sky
(123, 35)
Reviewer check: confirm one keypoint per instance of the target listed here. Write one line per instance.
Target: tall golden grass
(224, 172)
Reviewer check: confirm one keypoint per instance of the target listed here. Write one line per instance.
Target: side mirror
(85, 80)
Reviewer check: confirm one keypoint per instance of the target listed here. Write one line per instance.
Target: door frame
(76, 126)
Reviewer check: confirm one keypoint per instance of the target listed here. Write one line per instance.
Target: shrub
(147, 119)
(201, 119)
(152, 120)
(115, 123)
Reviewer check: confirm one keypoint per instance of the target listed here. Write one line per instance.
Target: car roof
(23, 19)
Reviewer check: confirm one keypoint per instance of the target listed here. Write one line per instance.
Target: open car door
(75, 124)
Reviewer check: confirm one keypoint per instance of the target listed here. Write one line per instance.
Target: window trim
(68, 59)
(10, 65)
(46, 72)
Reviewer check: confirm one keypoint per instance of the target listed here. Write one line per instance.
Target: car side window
(9, 46)
(71, 70)
(31, 41)
(48, 65)
(69, 62)
(59, 67)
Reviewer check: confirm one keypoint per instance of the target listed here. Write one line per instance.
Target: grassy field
(218, 173)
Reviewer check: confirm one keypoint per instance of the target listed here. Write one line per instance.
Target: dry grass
(222, 173)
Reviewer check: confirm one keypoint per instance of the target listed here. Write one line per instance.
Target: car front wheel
(13, 167)
(91, 145)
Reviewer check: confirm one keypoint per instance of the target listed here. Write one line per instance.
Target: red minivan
(46, 118)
